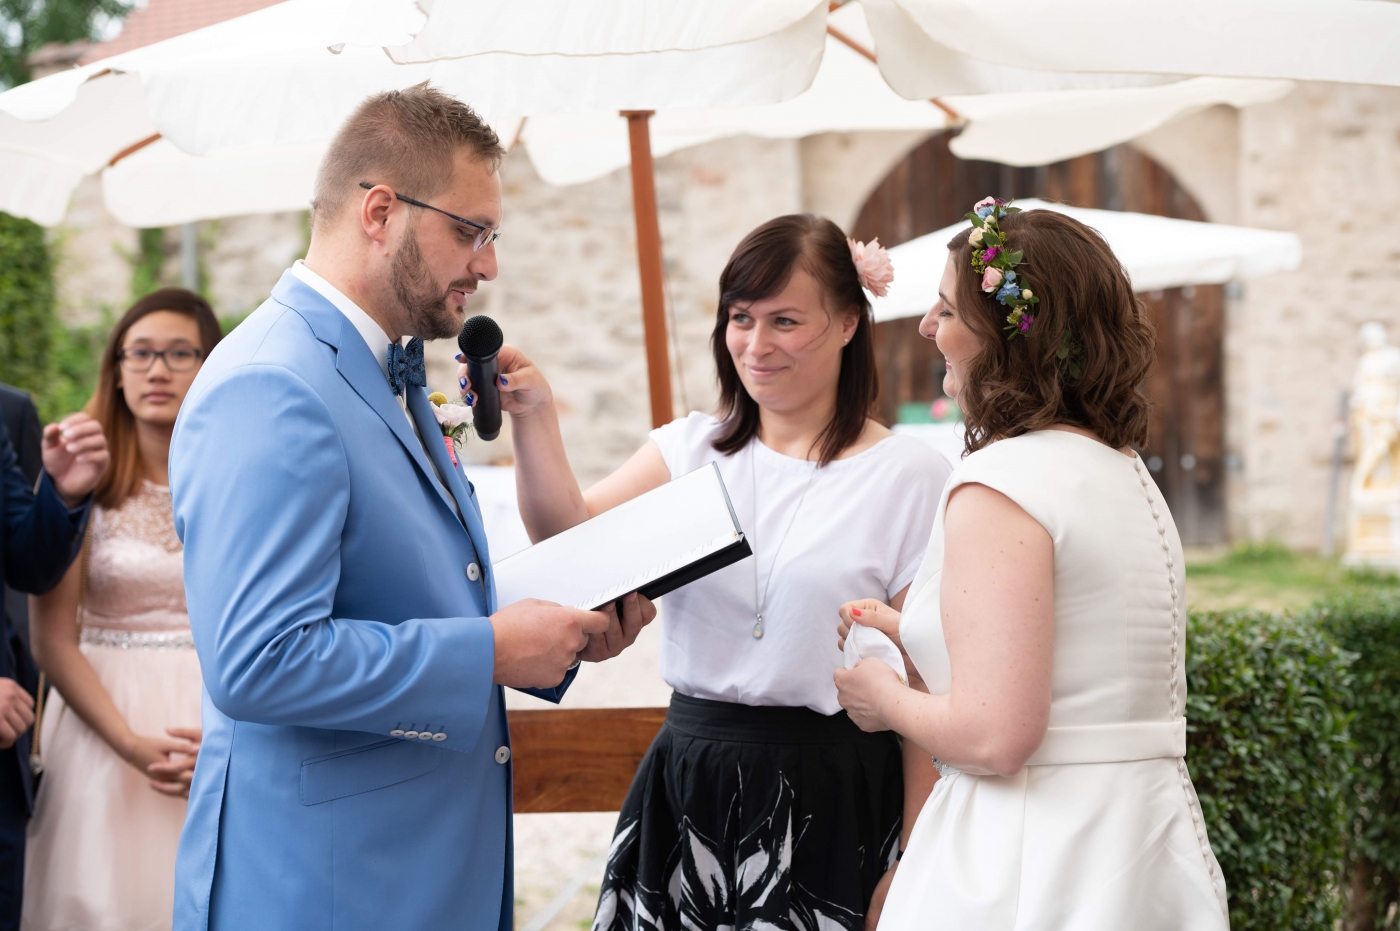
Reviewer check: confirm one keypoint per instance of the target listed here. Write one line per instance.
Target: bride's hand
(522, 386)
(861, 690)
(883, 618)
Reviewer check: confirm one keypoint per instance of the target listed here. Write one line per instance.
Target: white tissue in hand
(871, 643)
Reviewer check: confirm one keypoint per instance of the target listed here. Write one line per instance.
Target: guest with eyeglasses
(121, 729)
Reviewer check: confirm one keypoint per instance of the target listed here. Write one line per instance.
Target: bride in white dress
(1047, 619)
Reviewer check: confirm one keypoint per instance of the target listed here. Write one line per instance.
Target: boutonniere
(455, 422)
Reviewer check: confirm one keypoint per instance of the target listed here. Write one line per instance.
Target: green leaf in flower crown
(1014, 257)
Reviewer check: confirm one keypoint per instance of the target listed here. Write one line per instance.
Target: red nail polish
(855, 612)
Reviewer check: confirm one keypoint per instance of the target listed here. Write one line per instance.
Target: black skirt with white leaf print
(755, 819)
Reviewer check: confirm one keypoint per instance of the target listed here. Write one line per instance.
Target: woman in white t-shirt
(760, 801)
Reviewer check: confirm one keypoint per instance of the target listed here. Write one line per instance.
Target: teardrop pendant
(758, 627)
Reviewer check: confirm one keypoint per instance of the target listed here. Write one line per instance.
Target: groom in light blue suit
(355, 769)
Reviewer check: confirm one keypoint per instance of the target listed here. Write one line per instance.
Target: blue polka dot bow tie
(406, 366)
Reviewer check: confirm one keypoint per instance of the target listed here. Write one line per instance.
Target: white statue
(1373, 525)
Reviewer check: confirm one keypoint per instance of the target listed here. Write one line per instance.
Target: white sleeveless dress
(1101, 830)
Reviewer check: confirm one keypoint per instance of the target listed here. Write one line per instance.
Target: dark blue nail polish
(461, 358)
(471, 400)
(503, 380)
(462, 382)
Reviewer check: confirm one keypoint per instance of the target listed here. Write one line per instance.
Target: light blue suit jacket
(327, 581)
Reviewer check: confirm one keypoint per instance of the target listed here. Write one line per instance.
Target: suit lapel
(421, 409)
(356, 364)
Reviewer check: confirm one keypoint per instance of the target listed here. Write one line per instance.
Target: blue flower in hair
(1009, 289)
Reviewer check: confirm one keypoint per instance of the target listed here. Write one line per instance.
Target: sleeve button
(410, 734)
(439, 737)
(396, 732)
(503, 755)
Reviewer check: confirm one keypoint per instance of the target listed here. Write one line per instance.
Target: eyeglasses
(484, 237)
(176, 359)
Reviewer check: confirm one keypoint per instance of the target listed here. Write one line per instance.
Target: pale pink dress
(102, 841)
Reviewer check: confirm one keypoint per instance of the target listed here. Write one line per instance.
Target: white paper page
(620, 550)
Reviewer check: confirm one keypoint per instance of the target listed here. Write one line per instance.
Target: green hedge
(1367, 623)
(1269, 752)
(26, 304)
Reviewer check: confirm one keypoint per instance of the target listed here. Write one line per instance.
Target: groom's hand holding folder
(537, 641)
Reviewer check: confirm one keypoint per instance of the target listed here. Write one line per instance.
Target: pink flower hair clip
(873, 266)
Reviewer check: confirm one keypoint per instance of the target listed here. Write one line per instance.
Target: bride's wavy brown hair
(1017, 386)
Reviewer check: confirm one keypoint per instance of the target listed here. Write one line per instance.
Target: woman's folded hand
(172, 776)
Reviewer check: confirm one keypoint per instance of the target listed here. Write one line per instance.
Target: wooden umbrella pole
(649, 264)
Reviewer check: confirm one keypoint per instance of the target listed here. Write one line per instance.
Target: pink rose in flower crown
(985, 206)
(991, 279)
(873, 266)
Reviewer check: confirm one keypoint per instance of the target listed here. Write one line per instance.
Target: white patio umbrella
(1157, 252)
(940, 47)
(266, 81)
(258, 93)
(849, 94)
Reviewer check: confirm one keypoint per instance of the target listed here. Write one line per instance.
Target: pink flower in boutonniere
(455, 422)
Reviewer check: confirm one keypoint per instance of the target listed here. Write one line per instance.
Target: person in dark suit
(21, 418)
(41, 533)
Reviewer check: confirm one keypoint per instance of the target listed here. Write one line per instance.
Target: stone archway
(932, 188)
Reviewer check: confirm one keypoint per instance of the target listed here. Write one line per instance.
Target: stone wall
(1323, 162)
(242, 256)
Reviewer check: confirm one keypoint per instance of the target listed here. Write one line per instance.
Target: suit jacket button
(396, 732)
(503, 755)
(439, 737)
(425, 735)
(410, 734)
(473, 571)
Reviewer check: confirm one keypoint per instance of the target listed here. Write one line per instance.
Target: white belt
(1112, 743)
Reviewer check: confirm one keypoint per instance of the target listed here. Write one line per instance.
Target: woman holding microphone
(760, 799)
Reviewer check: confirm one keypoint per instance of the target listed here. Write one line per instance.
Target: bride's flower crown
(997, 265)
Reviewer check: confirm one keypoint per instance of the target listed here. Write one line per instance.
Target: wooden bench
(578, 759)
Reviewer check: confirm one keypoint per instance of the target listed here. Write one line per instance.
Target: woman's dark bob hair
(1087, 306)
(760, 268)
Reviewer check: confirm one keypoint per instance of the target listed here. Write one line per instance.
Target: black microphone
(481, 338)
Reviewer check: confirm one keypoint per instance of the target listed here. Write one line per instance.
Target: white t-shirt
(860, 532)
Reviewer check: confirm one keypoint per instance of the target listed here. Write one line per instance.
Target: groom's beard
(429, 315)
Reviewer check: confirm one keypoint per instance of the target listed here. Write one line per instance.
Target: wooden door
(932, 188)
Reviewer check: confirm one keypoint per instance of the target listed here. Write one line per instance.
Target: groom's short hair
(407, 139)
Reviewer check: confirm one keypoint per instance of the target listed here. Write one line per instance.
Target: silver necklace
(760, 602)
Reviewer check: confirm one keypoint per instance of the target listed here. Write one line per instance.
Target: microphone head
(481, 337)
